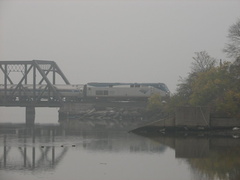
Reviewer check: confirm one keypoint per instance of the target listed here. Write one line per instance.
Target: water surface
(51, 152)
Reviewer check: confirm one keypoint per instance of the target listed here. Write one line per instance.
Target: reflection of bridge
(45, 161)
(32, 155)
(17, 74)
(45, 147)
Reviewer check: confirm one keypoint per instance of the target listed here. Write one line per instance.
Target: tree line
(211, 82)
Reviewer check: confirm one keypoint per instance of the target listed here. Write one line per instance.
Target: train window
(105, 92)
(134, 85)
(101, 93)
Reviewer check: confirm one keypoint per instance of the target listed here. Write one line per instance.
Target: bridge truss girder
(33, 74)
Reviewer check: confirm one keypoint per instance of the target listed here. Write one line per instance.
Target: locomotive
(125, 91)
(92, 91)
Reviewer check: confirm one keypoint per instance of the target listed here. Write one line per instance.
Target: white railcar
(125, 90)
(67, 92)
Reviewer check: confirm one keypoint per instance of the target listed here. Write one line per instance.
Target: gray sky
(116, 41)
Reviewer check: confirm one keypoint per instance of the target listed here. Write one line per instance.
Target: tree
(157, 107)
(218, 88)
(210, 86)
(222, 164)
(184, 88)
(233, 47)
(155, 103)
(202, 62)
(215, 86)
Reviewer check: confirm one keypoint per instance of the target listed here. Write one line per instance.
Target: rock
(235, 128)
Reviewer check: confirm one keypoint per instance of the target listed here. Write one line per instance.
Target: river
(50, 152)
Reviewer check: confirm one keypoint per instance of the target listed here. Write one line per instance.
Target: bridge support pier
(30, 115)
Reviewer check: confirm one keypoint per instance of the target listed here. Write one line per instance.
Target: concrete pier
(192, 118)
(30, 115)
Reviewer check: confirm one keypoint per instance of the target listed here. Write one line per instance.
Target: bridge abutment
(30, 115)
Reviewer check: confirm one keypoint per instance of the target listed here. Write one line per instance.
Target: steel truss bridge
(19, 74)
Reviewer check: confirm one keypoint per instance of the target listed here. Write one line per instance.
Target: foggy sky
(116, 41)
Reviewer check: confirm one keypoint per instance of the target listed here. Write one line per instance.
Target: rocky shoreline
(105, 115)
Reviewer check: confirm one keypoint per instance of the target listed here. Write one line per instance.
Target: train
(90, 91)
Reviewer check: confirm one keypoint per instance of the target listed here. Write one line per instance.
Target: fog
(116, 41)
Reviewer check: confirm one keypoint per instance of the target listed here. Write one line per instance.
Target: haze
(116, 41)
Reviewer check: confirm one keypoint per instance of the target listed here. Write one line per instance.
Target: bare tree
(233, 47)
(202, 62)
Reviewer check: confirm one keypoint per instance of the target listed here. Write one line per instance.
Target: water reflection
(43, 149)
(209, 157)
(20, 152)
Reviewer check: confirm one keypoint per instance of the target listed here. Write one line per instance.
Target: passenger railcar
(67, 92)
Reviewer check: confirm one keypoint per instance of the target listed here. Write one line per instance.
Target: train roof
(161, 86)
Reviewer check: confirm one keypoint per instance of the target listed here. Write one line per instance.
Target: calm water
(54, 153)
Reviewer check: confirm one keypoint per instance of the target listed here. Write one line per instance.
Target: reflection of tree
(211, 158)
(223, 165)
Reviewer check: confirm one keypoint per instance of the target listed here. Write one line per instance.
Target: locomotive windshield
(163, 87)
(160, 86)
